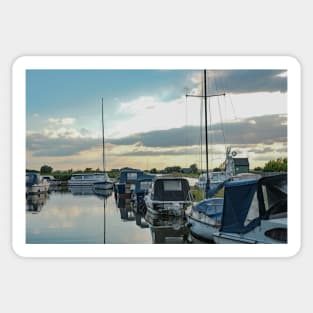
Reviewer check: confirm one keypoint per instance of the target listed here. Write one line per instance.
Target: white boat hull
(201, 229)
(103, 186)
(37, 188)
(255, 236)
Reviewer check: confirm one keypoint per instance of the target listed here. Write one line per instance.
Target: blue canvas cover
(144, 178)
(211, 207)
(124, 179)
(238, 197)
(32, 178)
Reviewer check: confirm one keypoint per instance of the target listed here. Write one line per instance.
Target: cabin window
(172, 185)
(145, 185)
(253, 211)
(132, 176)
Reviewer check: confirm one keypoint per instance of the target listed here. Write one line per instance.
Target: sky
(149, 122)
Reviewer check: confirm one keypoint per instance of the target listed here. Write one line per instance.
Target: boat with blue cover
(142, 187)
(254, 211)
(35, 183)
(127, 182)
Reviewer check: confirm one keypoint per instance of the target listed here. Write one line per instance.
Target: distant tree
(194, 168)
(88, 169)
(171, 169)
(153, 170)
(46, 169)
(278, 165)
(258, 168)
(217, 169)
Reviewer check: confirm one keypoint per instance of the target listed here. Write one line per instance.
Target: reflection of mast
(104, 220)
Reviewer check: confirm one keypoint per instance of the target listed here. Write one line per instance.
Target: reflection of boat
(166, 228)
(81, 190)
(35, 202)
(35, 183)
(126, 210)
(103, 193)
(254, 211)
(169, 195)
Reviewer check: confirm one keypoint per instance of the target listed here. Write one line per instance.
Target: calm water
(77, 215)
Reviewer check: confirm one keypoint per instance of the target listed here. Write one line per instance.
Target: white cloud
(62, 121)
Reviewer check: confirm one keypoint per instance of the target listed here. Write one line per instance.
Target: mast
(103, 168)
(207, 187)
(205, 96)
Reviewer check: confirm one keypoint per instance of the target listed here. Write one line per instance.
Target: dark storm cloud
(263, 129)
(247, 81)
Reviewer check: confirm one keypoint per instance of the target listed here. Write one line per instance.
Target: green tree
(217, 169)
(278, 165)
(153, 170)
(194, 168)
(46, 169)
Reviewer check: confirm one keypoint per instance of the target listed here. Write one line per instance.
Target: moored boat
(35, 183)
(254, 211)
(169, 195)
(87, 179)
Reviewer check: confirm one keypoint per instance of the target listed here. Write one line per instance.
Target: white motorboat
(169, 195)
(87, 179)
(35, 183)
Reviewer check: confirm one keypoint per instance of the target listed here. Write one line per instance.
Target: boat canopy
(266, 196)
(32, 178)
(130, 175)
(171, 189)
(144, 183)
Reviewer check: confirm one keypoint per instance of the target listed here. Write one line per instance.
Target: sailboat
(106, 183)
(252, 210)
(204, 218)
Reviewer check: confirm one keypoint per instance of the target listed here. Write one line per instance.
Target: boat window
(131, 176)
(279, 234)
(144, 185)
(253, 212)
(77, 177)
(172, 185)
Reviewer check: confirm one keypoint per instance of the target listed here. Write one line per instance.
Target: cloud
(248, 81)
(36, 115)
(45, 146)
(62, 121)
(264, 129)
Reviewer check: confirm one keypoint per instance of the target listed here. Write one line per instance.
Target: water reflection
(168, 228)
(126, 209)
(35, 202)
(79, 215)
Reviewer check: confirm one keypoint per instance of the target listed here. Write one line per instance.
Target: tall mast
(206, 133)
(103, 168)
(205, 96)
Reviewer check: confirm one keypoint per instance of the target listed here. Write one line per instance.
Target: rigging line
(211, 133)
(186, 131)
(201, 129)
(220, 112)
